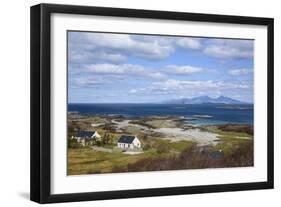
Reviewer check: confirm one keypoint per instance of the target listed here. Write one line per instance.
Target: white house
(129, 142)
(87, 137)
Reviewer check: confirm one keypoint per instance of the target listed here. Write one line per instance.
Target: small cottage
(129, 142)
(87, 137)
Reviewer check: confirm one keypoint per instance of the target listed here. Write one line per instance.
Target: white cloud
(226, 52)
(135, 71)
(86, 82)
(230, 48)
(241, 71)
(92, 57)
(110, 45)
(107, 68)
(185, 69)
(190, 88)
(96, 59)
(132, 69)
(133, 90)
(189, 43)
(156, 75)
(177, 85)
(155, 50)
(115, 48)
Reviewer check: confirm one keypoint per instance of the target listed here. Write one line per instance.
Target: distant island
(205, 100)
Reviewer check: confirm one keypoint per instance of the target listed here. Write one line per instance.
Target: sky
(130, 68)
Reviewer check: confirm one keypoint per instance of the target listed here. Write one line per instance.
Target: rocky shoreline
(163, 138)
(174, 128)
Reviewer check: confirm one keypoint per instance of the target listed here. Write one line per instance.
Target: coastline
(161, 137)
(197, 114)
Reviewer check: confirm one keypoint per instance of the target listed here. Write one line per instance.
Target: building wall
(137, 143)
(125, 145)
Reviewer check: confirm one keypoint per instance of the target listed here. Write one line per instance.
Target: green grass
(88, 161)
(231, 141)
(181, 145)
(156, 149)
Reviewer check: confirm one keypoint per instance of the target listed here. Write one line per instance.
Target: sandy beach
(174, 133)
(196, 135)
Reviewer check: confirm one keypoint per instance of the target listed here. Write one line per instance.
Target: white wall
(14, 109)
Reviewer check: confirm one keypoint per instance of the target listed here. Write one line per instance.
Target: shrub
(162, 148)
(146, 146)
(237, 128)
(72, 143)
(197, 158)
(118, 169)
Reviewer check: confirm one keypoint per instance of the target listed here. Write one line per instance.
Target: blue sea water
(200, 114)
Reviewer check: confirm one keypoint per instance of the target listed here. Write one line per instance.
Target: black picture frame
(41, 97)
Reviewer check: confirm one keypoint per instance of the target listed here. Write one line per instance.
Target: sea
(197, 114)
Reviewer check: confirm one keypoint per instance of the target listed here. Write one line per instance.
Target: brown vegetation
(233, 149)
(194, 158)
(237, 128)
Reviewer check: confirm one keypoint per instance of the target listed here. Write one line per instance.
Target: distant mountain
(205, 100)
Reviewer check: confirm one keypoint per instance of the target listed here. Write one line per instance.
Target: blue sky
(124, 68)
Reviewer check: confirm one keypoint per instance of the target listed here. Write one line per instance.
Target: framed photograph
(133, 103)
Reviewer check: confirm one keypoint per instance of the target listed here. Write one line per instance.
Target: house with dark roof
(87, 137)
(128, 142)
